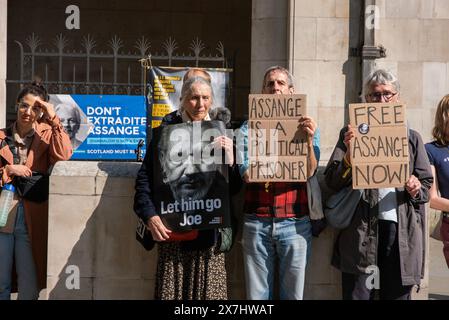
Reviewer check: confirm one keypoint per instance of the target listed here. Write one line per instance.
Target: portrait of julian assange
(73, 119)
(191, 176)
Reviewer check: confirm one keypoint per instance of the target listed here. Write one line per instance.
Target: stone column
(3, 36)
(269, 25)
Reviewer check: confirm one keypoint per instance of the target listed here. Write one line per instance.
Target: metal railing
(120, 82)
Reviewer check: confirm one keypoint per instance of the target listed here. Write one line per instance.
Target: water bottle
(6, 202)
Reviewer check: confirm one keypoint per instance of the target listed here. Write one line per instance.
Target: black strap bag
(143, 236)
(34, 188)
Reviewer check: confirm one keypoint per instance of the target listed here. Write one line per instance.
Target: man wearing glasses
(386, 231)
(383, 92)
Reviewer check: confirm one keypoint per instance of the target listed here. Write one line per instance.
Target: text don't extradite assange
(108, 120)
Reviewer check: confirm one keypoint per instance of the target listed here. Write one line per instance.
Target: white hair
(187, 86)
(379, 76)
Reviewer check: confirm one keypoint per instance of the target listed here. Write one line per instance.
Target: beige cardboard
(286, 169)
(278, 138)
(381, 144)
(291, 139)
(276, 106)
(277, 146)
(258, 138)
(377, 114)
(380, 175)
(379, 150)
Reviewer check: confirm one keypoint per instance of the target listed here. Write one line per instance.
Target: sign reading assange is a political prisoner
(277, 146)
(190, 177)
(102, 127)
(379, 150)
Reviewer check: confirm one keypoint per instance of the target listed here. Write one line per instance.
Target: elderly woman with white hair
(385, 238)
(192, 269)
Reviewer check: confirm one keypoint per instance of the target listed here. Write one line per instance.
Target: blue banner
(103, 127)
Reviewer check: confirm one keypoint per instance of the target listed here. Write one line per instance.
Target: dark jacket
(356, 246)
(143, 200)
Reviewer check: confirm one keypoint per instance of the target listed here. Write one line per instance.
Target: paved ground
(438, 273)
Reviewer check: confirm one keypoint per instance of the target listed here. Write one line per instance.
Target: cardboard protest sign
(190, 179)
(277, 147)
(379, 150)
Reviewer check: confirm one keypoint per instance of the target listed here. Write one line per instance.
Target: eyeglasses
(23, 106)
(377, 96)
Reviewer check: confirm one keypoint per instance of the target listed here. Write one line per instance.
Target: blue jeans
(267, 240)
(17, 246)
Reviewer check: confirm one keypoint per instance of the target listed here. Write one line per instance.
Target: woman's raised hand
(47, 107)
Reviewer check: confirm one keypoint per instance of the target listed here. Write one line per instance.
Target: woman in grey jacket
(385, 238)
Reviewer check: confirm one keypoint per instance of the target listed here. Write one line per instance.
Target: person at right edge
(387, 229)
(438, 152)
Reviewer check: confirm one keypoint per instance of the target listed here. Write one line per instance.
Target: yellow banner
(155, 123)
(160, 110)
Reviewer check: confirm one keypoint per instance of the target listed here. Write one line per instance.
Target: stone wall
(92, 226)
(415, 35)
(268, 39)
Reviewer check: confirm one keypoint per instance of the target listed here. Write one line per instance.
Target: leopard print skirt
(190, 275)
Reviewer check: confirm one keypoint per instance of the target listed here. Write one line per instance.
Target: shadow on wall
(92, 229)
(352, 68)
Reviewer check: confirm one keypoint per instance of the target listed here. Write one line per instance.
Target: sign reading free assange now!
(277, 147)
(379, 150)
